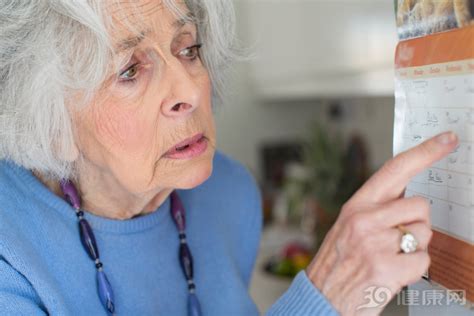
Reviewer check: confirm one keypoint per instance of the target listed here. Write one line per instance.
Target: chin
(197, 172)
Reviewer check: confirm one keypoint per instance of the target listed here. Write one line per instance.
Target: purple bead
(177, 211)
(106, 294)
(186, 260)
(194, 308)
(88, 239)
(70, 193)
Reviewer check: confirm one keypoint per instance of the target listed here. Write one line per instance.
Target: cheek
(206, 107)
(121, 129)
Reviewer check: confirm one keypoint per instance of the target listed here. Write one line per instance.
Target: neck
(110, 200)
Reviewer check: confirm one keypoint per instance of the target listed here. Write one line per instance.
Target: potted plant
(336, 172)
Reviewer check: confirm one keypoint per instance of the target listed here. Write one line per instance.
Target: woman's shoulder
(231, 192)
(231, 174)
(13, 185)
(228, 207)
(13, 180)
(232, 184)
(20, 216)
(10, 189)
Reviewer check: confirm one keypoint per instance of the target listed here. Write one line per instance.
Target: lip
(189, 148)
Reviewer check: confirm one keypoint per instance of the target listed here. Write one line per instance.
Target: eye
(129, 73)
(190, 53)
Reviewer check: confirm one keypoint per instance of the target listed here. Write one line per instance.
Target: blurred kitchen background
(311, 115)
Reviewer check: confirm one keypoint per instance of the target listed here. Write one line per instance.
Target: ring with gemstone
(408, 242)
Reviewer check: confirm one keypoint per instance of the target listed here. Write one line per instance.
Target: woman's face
(160, 97)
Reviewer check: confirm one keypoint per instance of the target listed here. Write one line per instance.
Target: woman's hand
(362, 250)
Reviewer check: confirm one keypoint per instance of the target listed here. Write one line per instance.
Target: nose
(183, 92)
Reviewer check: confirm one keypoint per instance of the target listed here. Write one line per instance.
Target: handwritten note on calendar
(434, 93)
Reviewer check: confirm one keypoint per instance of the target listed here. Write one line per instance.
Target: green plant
(324, 156)
(336, 172)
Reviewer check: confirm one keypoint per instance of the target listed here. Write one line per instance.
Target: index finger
(390, 181)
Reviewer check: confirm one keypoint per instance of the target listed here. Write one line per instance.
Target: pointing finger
(389, 182)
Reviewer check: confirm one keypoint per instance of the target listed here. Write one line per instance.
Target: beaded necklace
(104, 288)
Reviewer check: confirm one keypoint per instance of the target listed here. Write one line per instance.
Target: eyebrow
(133, 41)
(188, 18)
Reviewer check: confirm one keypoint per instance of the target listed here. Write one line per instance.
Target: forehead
(138, 18)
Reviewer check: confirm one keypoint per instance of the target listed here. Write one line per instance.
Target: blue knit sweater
(44, 269)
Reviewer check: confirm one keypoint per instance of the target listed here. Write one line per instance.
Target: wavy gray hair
(54, 50)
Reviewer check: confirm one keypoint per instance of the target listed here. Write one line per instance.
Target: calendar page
(434, 92)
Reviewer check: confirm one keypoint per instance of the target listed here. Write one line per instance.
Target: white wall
(244, 122)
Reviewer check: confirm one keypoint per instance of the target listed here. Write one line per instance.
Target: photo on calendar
(422, 17)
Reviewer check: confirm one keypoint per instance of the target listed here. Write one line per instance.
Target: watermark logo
(376, 297)
(380, 296)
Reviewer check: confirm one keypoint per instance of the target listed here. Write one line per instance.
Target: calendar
(434, 92)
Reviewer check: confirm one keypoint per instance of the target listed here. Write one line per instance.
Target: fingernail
(446, 138)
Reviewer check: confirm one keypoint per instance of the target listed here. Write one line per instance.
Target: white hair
(54, 50)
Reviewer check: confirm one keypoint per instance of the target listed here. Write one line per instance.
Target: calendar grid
(425, 106)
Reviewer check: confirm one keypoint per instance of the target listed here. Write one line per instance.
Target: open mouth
(189, 148)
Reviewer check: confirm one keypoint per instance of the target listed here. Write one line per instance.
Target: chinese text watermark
(380, 296)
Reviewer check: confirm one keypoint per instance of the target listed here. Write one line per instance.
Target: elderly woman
(113, 199)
